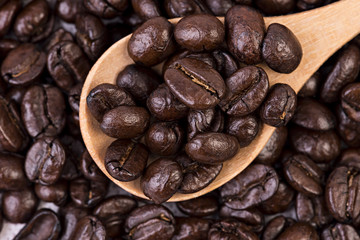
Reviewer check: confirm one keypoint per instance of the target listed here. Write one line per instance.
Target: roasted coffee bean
(6, 45)
(112, 212)
(125, 122)
(164, 138)
(311, 87)
(275, 227)
(244, 129)
(74, 97)
(252, 217)
(159, 45)
(182, 8)
(56, 193)
(67, 10)
(73, 149)
(312, 210)
(299, 231)
(164, 106)
(19, 206)
(254, 185)
(34, 22)
(199, 207)
(8, 12)
(340, 232)
(201, 32)
(342, 194)
(275, 7)
(105, 97)
(195, 83)
(150, 222)
(279, 105)
(246, 30)
(212, 148)
(280, 201)
(190, 228)
(43, 111)
(348, 129)
(313, 115)
(273, 148)
(91, 35)
(67, 64)
(28, 70)
(89, 168)
(281, 49)
(13, 137)
(58, 36)
(86, 193)
(230, 229)
(139, 81)
(126, 160)
(350, 158)
(219, 7)
(12, 174)
(161, 179)
(196, 176)
(146, 9)
(106, 9)
(89, 227)
(350, 101)
(247, 88)
(226, 65)
(320, 146)
(70, 215)
(200, 121)
(344, 71)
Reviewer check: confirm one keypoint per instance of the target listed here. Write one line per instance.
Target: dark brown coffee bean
(105, 97)
(273, 148)
(12, 174)
(19, 206)
(8, 12)
(230, 229)
(212, 148)
(281, 49)
(226, 64)
(299, 231)
(275, 7)
(74, 97)
(126, 160)
(34, 22)
(350, 101)
(70, 215)
(247, 88)
(67, 10)
(159, 45)
(146, 9)
(244, 129)
(56, 193)
(252, 217)
(28, 70)
(200, 121)
(246, 29)
(67, 64)
(190, 228)
(279, 105)
(275, 227)
(106, 9)
(340, 232)
(280, 201)
(348, 129)
(58, 36)
(344, 71)
(304, 175)
(199, 207)
(195, 83)
(161, 179)
(89, 168)
(311, 87)
(150, 222)
(350, 158)
(182, 8)
(219, 7)
(89, 227)
(254, 185)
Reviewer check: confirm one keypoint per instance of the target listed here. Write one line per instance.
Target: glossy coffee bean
(150, 222)
(19, 206)
(44, 225)
(348, 129)
(281, 49)
(43, 111)
(161, 179)
(34, 22)
(70, 215)
(105, 97)
(199, 207)
(86, 193)
(56, 193)
(254, 185)
(279, 105)
(191, 228)
(6, 45)
(112, 212)
(299, 231)
(350, 101)
(275, 7)
(126, 160)
(247, 88)
(252, 217)
(45, 161)
(230, 229)
(67, 64)
(139, 81)
(8, 13)
(343, 72)
(339, 232)
(226, 64)
(219, 7)
(350, 158)
(311, 87)
(106, 9)
(159, 46)
(146, 9)
(67, 10)
(273, 148)
(12, 174)
(280, 201)
(58, 36)
(89, 227)
(196, 176)
(91, 35)
(246, 29)
(28, 70)
(212, 148)
(201, 32)
(164, 106)
(89, 168)
(182, 8)
(244, 128)
(313, 115)
(195, 83)
(275, 227)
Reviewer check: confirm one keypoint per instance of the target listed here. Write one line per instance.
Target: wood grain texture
(321, 32)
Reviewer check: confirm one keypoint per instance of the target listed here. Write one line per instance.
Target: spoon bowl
(321, 32)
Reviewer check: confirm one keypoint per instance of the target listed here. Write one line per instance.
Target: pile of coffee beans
(303, 185)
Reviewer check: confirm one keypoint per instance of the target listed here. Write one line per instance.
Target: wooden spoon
(321, 32)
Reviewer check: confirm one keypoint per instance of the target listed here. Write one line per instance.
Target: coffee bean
(219, 7)
(199, 207)
(273, 148)
(299, 231)
(8, 13)
(350, 101)
(106, 9)
(350, 158)
(252, 217)
(190, 228)
(56, 193)
(276, 226)
(348, 129)
(58, 36)
(226, 65)
(201, 121)
(89, 226)
(280, 201)
(12, 174)
(89, 168)
(70, 215)
(230, 229)
(67, 10)
(182, 8)
(244, 128)
(146, 9)
(339, 231)
(86, 193)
